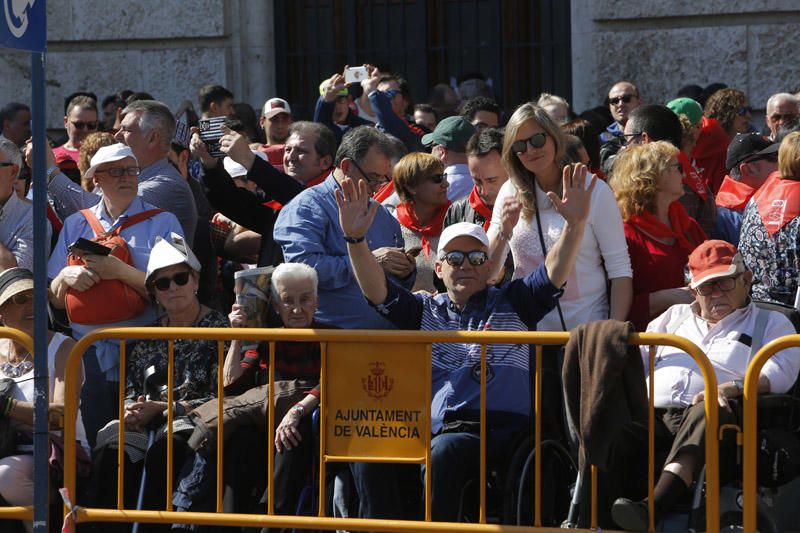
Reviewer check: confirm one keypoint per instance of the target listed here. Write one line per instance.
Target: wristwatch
(299, 409)
(354, 240)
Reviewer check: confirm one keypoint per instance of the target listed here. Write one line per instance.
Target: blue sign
(24, 25)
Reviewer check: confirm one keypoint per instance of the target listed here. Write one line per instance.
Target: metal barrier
(17, 513)
(750, 428)
(415, 344)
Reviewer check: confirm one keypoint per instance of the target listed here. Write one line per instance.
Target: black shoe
(630, 515)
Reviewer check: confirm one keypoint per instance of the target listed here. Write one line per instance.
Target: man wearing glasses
(16, 213)
(622, 99)
(468, 304)
(80, 121)
(730, 329)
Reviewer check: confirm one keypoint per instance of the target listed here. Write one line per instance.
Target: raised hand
(509, 216)
(356, 212)
(576, 199)
(333, 86)
(199, 150)
(236, 146)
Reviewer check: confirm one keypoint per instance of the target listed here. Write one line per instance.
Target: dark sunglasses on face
(456, 257)
(536, 140)
(180, 279)
(745, 110)
(6, 164)
(119, 172)
(625, 99)
(628, 138)
(438, 178)
(91, 126)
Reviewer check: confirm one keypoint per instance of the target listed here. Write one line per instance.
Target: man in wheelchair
(730, 329)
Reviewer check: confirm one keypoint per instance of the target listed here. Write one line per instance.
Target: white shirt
(603, 253)
(727, 345)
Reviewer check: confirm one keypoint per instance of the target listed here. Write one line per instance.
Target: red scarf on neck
(276, 205)
(734, 194)
(476, 203)
(408, 219)
(692, 178)
(778, 202)
(384, 192)
(679, 219)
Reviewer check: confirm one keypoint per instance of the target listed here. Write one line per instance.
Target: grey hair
(12, 152)
(775, 98)
(154, 115)
(549, 99)
(357, 142)
(294, 271)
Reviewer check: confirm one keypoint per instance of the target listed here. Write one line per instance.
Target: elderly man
(148, 128)
(782, 108)
(729, 329)
(464, 266)
(16, 214)
(622, 99)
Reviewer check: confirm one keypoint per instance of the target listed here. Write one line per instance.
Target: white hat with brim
(169, 252)
(236, 170)
(275, 106)
(462, 229)
(108, 154)
(14, 281)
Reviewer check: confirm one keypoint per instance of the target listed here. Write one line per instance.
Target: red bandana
(476, 203)
(274, 204)
(678, 218)
(384, 192)
(734, 194)
(778, 202)
(692, 178)
(407, 218)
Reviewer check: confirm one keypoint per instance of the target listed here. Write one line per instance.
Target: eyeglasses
(21, 298)
(91, 126)
(372, 177)
(723, 284)
(438, 178)
(745, 110)
(537, 140)
(628, 138)
(119, 172)
(456, 257)
(391, 93)
(180, 279)
(625, 99)
(6, 164)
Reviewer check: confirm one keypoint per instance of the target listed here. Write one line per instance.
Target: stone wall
(662, 46)
(168, 48)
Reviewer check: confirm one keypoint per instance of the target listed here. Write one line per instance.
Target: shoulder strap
(758, 331)
(138, 217)
(544, 253)
(93, 222)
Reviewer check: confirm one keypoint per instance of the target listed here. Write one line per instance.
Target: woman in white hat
(17, 389)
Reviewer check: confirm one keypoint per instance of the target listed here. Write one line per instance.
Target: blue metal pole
(41, 444)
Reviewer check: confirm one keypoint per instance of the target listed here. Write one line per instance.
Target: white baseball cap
(168, 252)
(275, 106)
(108, 154)
(234, 169)
(462, 229)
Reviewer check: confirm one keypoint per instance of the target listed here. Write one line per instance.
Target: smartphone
(355, 74)
(414, 252)
(86, 247)
(211, 133)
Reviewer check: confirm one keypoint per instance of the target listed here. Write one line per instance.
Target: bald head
(781, 109)
(622, 99)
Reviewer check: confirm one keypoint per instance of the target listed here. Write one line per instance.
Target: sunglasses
(91, 126)
(180, 279)
(536, 140)
(119, 172)
(438, 178)
(628, 138)
(456, 257)
(745, 110)
(6, 164)
(625, 99)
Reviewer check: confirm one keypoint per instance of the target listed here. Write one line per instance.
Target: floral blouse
(195, 378)
(775, 261)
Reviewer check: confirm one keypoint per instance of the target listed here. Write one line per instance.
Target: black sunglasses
(180, 279)
(6, 164)
(438, 178)
(536, 140)
(745, 110)
(91, 126)
(456, 257)
(625, 99)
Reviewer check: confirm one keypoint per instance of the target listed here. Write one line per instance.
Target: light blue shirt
(140, 237)
(16, 230)
(459, 180)
(308, 231)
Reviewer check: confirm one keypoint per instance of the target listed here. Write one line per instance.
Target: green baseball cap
(688, 107)
(452, 133)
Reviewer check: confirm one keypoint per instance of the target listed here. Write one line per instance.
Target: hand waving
(356, 212)
(576, 198)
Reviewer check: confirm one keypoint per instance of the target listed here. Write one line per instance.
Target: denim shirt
(308, 231)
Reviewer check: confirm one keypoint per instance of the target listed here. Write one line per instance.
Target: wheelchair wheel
(559, 472)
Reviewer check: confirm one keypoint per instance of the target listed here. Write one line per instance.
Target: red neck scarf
(476, 203)
(274, 204)
(778, 202)
(734, 194)
(408, 219)
(692, 178)
(679, 219)
(384, 192)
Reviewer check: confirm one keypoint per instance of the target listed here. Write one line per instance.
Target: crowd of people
(382, 214)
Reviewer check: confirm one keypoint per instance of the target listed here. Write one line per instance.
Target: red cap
(714, 259)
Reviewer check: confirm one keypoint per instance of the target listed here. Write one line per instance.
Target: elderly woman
(770, 237)
(172, 282)
(17, 387)
(525, 220)
(647, 181)
(420, 182)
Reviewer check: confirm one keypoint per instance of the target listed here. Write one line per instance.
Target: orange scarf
(734, 194)
(408, 219)
(778, 202)
(692, 178)
(679, 219)
(384, 192)
(476, 203)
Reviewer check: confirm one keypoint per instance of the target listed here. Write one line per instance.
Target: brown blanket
(604, 386)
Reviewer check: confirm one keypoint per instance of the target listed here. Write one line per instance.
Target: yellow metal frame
(750, 428)
(375, 337)
(17, 512)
